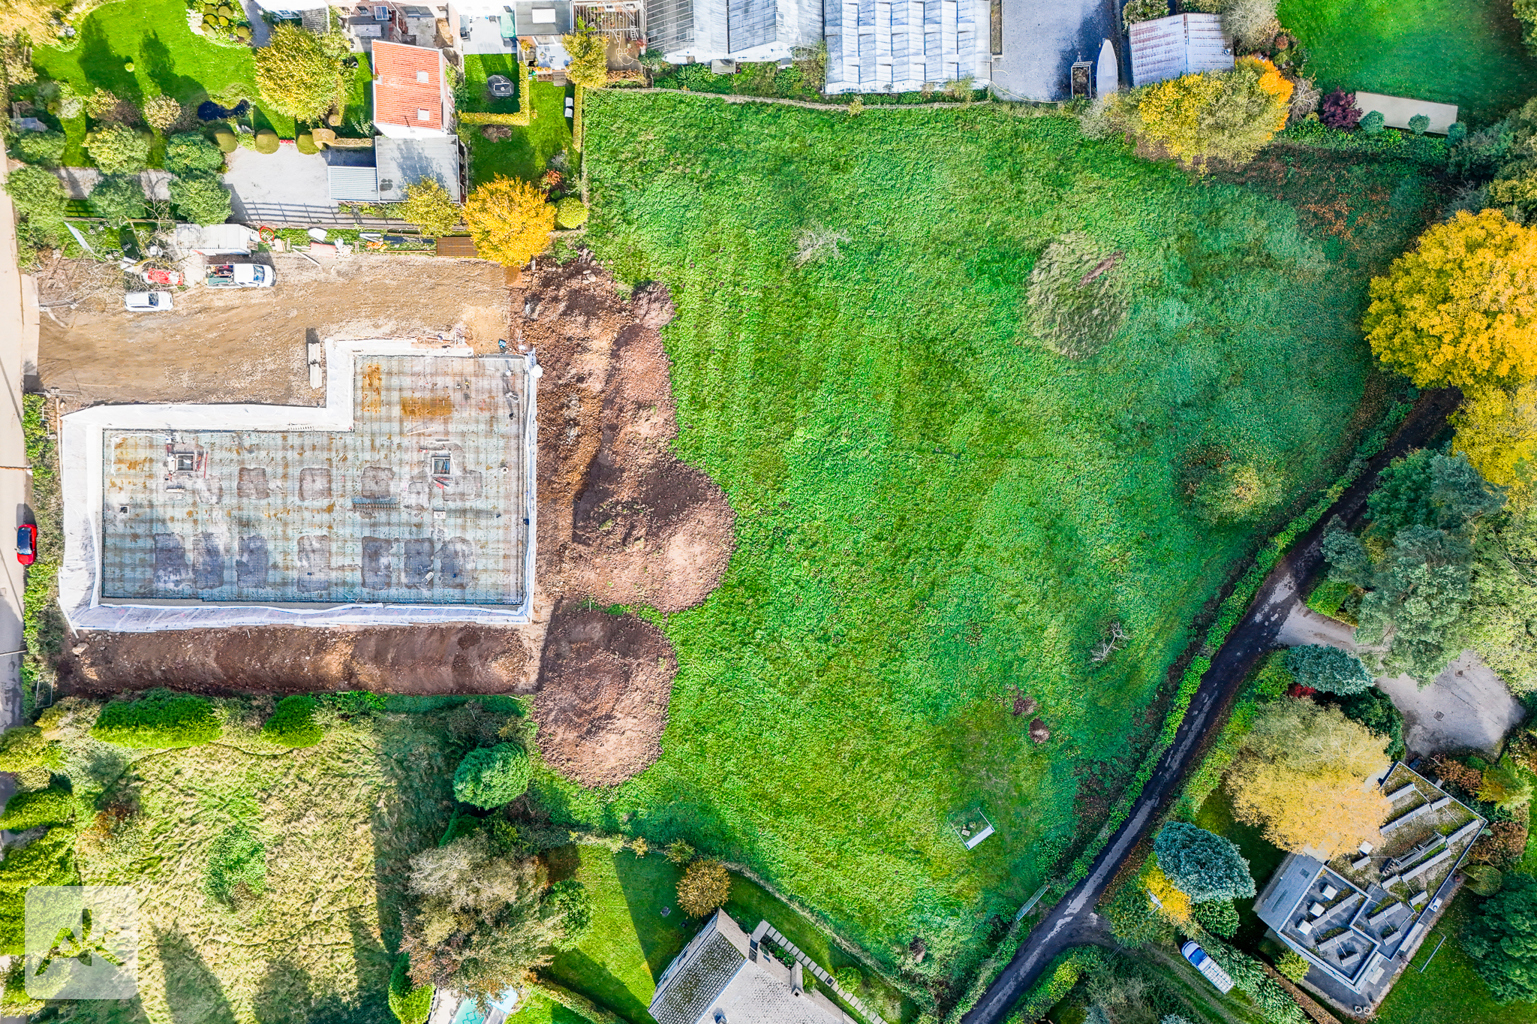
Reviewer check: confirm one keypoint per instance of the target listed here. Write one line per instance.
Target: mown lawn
(167, 59)
(933, 509)
(1448, 991)
(632, 941)
(1467, 52)
(526, 154)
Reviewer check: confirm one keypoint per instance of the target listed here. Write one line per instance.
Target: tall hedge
(409, 1005)
(158, 720)
(52, 806)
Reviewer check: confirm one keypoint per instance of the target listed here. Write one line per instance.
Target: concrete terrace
(408, 497)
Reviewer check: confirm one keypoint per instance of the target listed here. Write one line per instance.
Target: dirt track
(621, 519)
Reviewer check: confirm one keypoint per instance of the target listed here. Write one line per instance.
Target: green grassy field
(526, 154)
(1468, 53)
(932, 508)
(167, 59)
(1448, 991)
(631, 941)
(333, 826)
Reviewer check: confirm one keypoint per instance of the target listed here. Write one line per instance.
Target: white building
(746, 30)
(880, 46)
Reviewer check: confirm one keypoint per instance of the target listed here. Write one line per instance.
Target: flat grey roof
(403, 162)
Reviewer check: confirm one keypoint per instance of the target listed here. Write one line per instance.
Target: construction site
(613, 516)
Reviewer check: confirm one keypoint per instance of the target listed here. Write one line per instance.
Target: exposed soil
(621, 519)
(604, 683)
(248, 344)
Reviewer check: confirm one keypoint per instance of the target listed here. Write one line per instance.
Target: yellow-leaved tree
(1461, 307)
(1301, 775)
(510, 220)
(1497, 431)
(1171, 902)
(1226, 116)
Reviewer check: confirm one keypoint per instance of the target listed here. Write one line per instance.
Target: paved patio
(287, 177)
(1042, 38)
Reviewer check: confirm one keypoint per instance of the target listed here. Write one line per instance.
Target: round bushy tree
(44, 148)
(1327, 669)
(40, 200)
(429, 206)
(24, 748)
(201, 199)
(192, 153)
(704, 887)
(300, 73)
(1292, 965)
(572, 903)
(161, 113)
(492, 776)
(1201, 864)
(293, 722)
(510, 221)
(118, 198)
(1372, 122)
(1502, 940)
(118, 149)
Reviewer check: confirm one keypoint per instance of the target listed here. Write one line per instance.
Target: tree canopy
(589, 58)
(1497, 434)
(118, 149)
(1327, 669)
(1299, 775)
(300, 73)
(201, 198)
(705, 885)
(1226, 116)
(118, 198)
(1461, 307)
(40, 200)
(1203, 865)
(510, 221)
(492, 776)
(1502, 940)
(429, 206)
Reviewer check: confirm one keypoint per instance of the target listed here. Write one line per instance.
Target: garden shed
(1181, 44)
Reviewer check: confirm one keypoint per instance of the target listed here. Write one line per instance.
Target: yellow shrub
(1171, 902)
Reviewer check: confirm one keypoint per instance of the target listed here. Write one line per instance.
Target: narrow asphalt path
(1073, 922)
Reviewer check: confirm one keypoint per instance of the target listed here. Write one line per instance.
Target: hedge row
(483, 117)
(1056, 982)
(158, 720)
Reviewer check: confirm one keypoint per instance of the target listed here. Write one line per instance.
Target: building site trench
(621, 520)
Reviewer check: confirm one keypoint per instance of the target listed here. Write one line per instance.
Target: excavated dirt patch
(621, 519)
(604, 683)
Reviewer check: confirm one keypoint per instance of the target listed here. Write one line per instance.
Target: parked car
(26, 543)
(147, 302)
(240, 275)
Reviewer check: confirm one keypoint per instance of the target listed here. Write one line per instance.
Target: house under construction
(407, 498)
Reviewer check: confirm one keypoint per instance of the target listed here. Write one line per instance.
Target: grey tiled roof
(697, 983)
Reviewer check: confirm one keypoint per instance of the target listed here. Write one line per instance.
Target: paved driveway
(1042, 38)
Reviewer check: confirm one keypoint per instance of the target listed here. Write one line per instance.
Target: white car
(147, 302)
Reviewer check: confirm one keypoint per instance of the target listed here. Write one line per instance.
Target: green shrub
(24, 748)
(266, 141)
(409, 1005)
(1456, 133)
(243, 32)
(47, 860)
(52, 806)
(1077, 299)
(293, 722)
(570, 212)
(492, 776)
(1419, 124)
(1219, 917)
(45, 148)
(305, 143)
(1372, 122)
(237, 868)
(118, 149)
(118, 198)
(192, 152)
(1328, 669)
(225, 139)
(1144, 10)
(201, 198)
(158, 720)
(573, 902)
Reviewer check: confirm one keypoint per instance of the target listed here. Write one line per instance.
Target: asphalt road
(1073, 922)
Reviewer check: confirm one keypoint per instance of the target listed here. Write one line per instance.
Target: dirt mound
(604, 684)
(427, 659)
(621, 519)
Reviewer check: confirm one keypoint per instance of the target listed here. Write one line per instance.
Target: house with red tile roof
(411, 95)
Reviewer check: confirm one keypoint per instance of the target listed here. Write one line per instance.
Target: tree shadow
(161, 67)
(104, 68)
(582, 973)
(283, 996)
(650, 885)
(192, 991)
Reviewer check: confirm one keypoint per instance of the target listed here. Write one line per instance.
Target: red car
(26, 544)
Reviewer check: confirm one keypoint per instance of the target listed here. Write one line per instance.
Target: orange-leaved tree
(510, 220)
(1461, 307)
